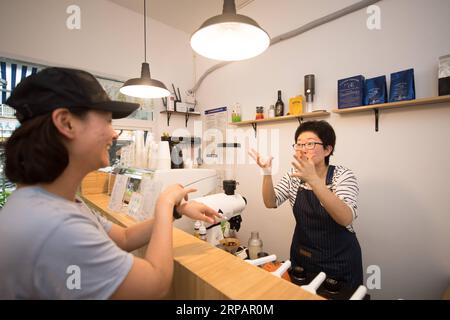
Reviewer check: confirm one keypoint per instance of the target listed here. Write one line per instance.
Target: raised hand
(304, 168)
(263, 163)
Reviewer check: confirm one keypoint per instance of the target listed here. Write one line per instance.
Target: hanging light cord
(145, 31)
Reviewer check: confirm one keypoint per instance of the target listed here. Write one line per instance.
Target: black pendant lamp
(145, 86)
(230, 36)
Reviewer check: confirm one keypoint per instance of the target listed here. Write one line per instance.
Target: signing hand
(305, 169)
(262, 163)
(198, 211)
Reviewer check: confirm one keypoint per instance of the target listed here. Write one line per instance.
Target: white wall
(404, 208)
(110, 43)
(404, 205)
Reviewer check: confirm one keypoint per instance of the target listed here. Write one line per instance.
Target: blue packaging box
(402, 86)
(351, 92)
(375, 91)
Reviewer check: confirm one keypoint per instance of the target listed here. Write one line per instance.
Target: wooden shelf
(393, 105)
(299, 117)
(400, 104)
(186, 115)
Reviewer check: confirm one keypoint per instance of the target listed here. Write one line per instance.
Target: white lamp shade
(230, 40)
(144, 91)
(144, 87)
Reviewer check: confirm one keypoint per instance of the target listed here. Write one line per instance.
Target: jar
(254, 245)
(259, 113)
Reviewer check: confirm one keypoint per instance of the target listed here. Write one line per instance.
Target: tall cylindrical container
(255, 245)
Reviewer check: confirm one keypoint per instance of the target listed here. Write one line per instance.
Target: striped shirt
(344, 185)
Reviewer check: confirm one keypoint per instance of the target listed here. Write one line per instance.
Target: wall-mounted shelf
(299, 117)
(392, 105)
(186, 115)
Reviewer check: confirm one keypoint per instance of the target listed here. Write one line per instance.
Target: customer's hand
(173, 194)
(198, 211)
(264, 163)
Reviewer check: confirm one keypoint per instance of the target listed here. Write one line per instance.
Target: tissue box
(351, 92)
(444, 75)
(181, 107)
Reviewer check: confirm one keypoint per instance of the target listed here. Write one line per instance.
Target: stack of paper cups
(164, 156)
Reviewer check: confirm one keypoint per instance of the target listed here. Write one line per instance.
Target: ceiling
(185, 15)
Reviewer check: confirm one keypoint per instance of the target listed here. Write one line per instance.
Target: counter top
(206, 272)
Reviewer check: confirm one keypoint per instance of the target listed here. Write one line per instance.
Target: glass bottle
(279, 106)
(236, 113)
(254, 245)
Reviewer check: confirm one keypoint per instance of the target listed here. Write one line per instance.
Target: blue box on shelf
(351, 92)
(375, 91)
(402, 86)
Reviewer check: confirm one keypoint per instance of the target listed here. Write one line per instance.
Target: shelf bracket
(254, 125)
(377, 116)
(300, 120)
(169, 114)
(186, 119)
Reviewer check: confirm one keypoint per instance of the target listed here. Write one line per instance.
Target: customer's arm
(138, 235)
(150, 277)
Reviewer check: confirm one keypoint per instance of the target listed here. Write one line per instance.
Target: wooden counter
(202, 271)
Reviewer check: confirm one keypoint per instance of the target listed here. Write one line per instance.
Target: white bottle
(271, 113)
(197, 226)
(202, 232)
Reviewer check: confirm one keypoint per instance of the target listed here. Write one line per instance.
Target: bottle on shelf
(255, 245)
(271, 111)
(279, 106)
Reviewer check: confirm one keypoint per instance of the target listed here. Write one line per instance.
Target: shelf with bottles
(186, 115)
(392, 105)
(300, 117)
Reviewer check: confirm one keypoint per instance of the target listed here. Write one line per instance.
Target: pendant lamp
(145, 86)
(230, 36)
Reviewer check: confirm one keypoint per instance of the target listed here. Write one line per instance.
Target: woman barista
(324, 202)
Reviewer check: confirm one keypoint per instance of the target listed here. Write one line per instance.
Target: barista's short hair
(35, 152)
(323, 130)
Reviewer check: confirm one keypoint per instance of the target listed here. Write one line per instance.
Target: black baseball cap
(53, 88)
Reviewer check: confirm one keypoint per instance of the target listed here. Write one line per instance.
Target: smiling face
(318, 153)
(94, 137)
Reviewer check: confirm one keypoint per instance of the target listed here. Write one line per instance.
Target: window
(13, 71)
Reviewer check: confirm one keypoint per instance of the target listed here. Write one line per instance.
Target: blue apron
(321, 244)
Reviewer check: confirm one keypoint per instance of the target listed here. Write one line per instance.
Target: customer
(47, 237)
(324, 203)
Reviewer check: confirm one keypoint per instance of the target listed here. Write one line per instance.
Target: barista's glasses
(308, 146)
